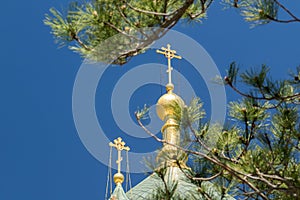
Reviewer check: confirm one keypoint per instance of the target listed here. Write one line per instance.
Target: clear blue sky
(41, 155)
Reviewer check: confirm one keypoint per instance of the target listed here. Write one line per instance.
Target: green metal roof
(174, 178)
(119, 193)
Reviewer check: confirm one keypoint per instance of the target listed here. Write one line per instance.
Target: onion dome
(165, 104)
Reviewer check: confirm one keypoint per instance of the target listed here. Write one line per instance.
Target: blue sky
(41, 155)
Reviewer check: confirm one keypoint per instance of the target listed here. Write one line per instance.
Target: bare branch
(296, 19)
(282, 21)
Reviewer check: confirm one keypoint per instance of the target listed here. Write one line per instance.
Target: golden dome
(118, 178)
(165, 104)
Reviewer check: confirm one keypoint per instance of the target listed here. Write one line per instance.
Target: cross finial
(169, 54)
(120, 146)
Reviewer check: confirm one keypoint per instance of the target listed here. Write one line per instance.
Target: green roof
(119, 193)
(174, 178)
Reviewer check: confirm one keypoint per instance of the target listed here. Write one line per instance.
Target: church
(173, 181)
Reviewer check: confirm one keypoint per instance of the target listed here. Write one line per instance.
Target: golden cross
(120, 146)
(169, 54)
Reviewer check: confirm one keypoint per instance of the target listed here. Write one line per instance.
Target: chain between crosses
(169, 54)
(120, 146)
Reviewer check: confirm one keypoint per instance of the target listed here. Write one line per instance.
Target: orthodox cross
(120, 146)
(169, 54)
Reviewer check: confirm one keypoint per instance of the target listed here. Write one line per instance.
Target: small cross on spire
(169, 54)
(120, 146)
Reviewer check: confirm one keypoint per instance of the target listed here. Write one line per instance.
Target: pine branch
(211, 159)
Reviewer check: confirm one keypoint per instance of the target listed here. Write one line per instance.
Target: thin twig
(149, 12)
(263, 98)
(200, 178)
(119, 30)
(286, 10)
(77, 39)
(281, 20)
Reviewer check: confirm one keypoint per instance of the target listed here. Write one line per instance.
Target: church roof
(176, 180)
(118, 193)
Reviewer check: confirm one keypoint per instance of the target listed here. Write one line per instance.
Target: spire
(120, 146)
(119, 193)
(167, 112)
(169, 54)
